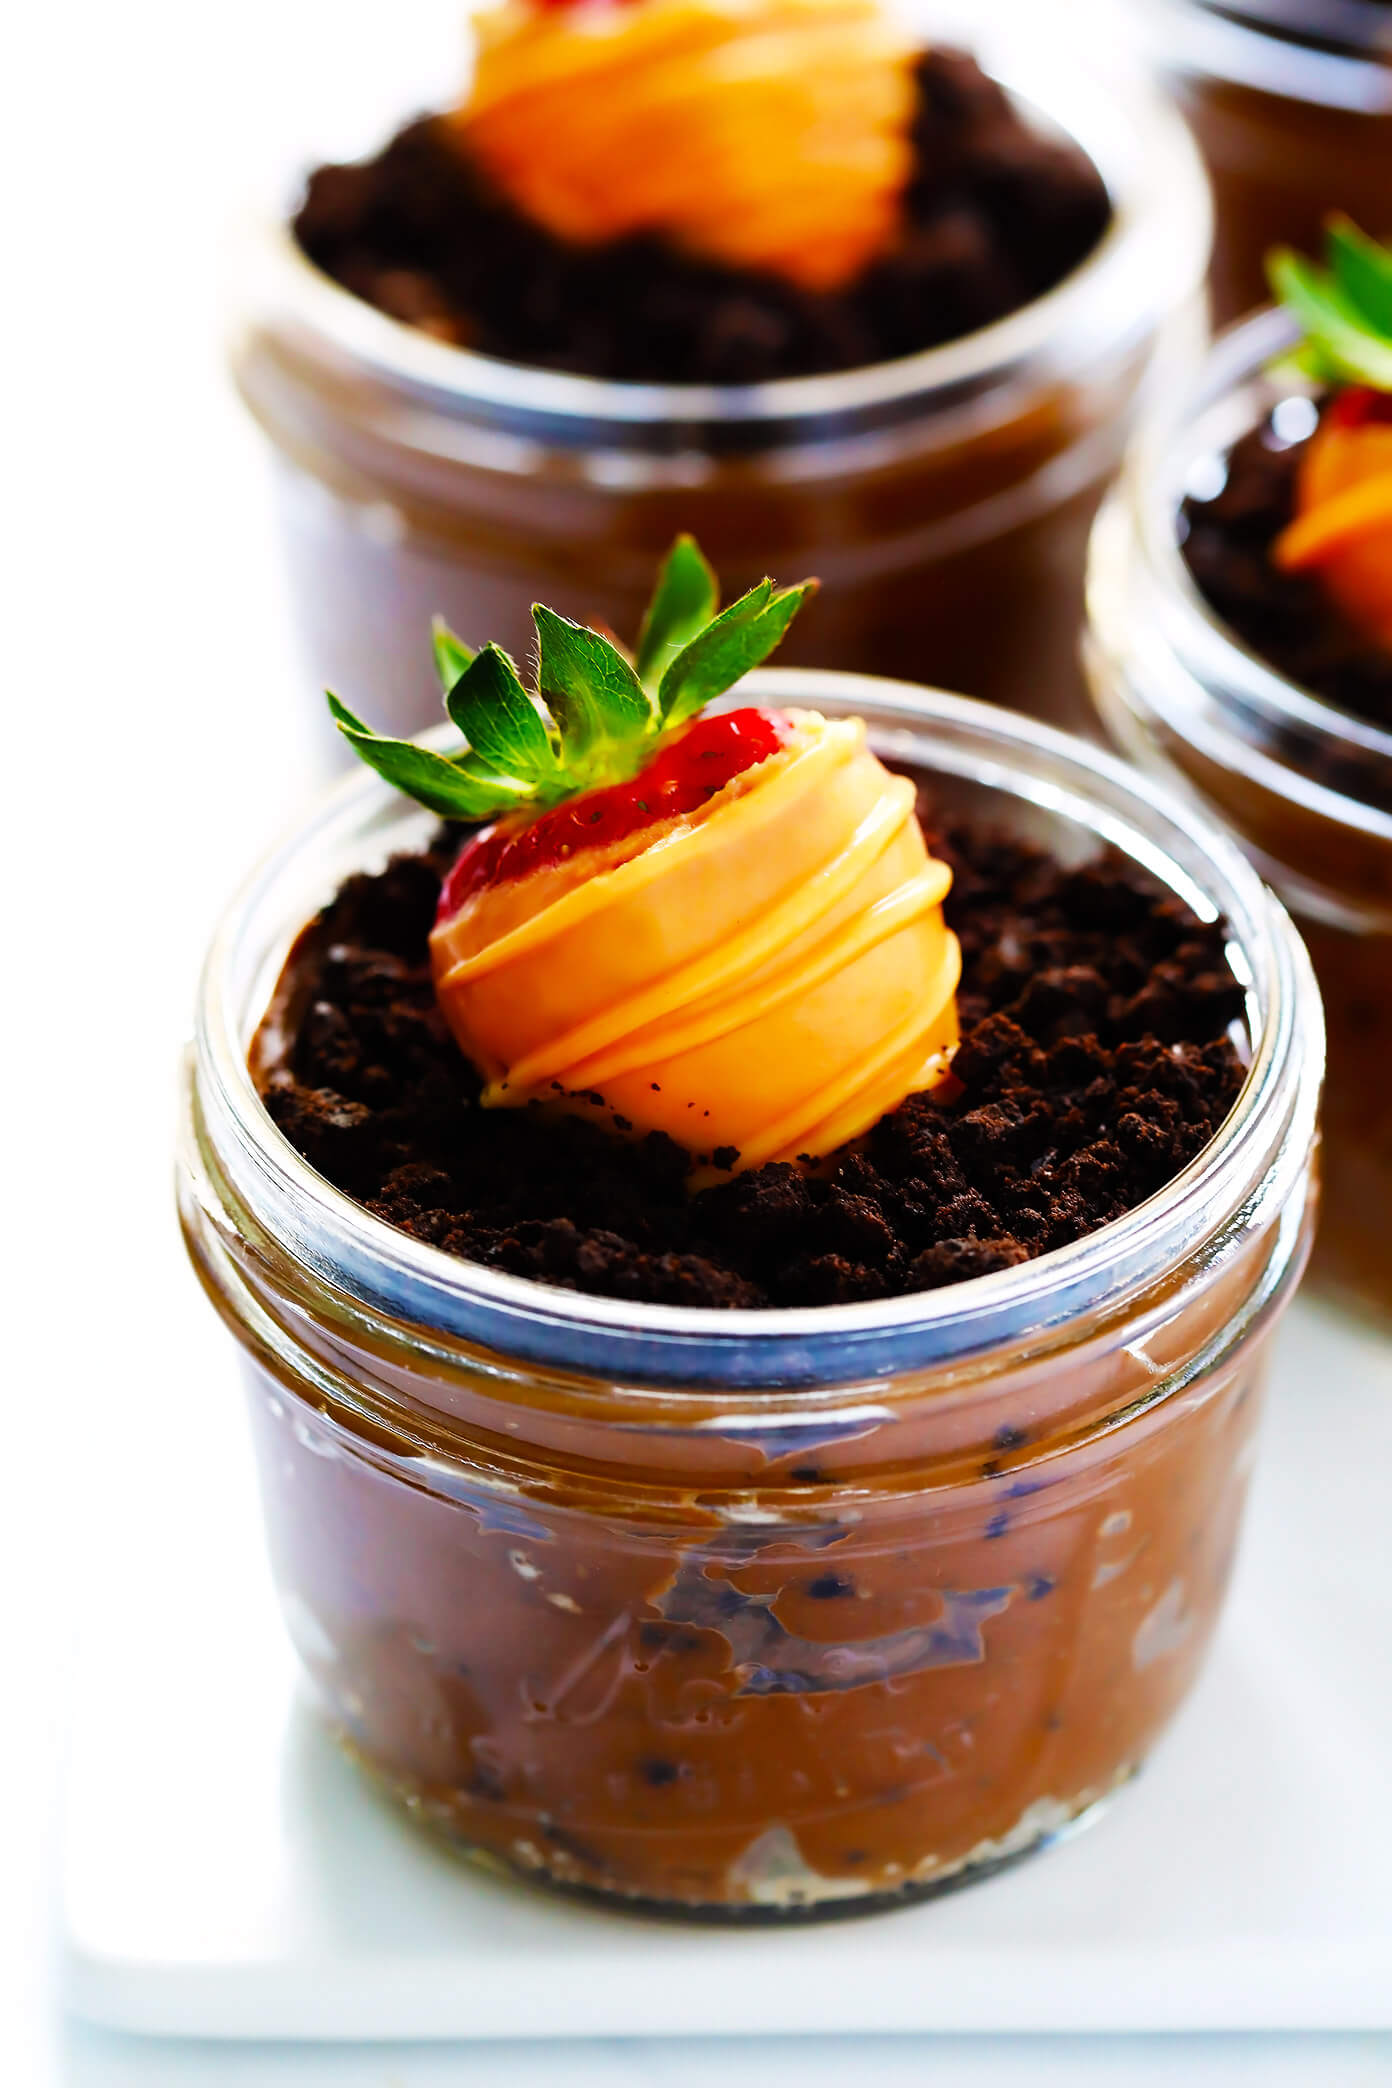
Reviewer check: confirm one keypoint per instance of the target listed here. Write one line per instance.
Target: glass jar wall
(1306, 787)
(752, 1614)
(1291, 102)
(943, 500)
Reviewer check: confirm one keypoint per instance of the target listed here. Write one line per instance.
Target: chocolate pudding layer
(1095, 1063)
(995, 214)
(1291, 104)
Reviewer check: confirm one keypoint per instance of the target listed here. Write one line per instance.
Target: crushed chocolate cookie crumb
(995, 215)
(1095, 1063)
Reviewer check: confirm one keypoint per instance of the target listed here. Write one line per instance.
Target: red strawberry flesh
(685, 775)
(1357, 404)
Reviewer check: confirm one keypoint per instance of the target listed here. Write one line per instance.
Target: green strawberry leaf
(589, 688)
(1363, 271)
(499, 719)
(720, 655)
(507, 789)
(1304, 365)
(593, 719)
(698, 664)
(452, 655)
(432, 779)
(683, 603)
(1347, 344)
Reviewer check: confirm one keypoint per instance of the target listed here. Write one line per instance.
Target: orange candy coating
(770, 974)
(1343, 526)
(766, 134)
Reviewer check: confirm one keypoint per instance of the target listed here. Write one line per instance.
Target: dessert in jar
(1291, 102)
(1241, 636)
(861, 303)
(754, 1245)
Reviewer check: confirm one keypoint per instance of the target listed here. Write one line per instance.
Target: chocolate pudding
(1291, 102)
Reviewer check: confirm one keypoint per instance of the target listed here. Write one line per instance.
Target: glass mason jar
(1306, 787)
(750, 1613)
(943, 499)
(1291, 101)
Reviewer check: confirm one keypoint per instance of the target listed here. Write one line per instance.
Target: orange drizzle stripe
(703, 832)
(731, 1010)
(795, 1132)
(722, 969)
(1335, 524)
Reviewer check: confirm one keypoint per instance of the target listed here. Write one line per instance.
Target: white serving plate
(227, 1874)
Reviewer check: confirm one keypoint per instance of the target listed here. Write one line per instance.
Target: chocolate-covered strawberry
(1342, 529)
(726, 927)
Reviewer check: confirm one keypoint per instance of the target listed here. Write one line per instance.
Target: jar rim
(1259, 1150)
(1148, 261)
(1334, 53)
(1192, 666)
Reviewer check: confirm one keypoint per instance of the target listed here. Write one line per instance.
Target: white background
(153, 741)
(155, 737)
